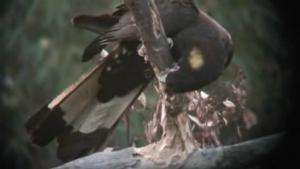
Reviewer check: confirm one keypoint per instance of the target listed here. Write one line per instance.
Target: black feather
(76, 144)
(46, 125)
(95, 47)
(97, 24)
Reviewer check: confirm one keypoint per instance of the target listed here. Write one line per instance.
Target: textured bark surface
(247, 154)
(177, 140)
(149, 24)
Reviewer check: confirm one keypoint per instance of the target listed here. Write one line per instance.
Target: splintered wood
(177, 140)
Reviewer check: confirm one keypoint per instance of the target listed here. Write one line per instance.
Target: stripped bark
(177, 140)
(149, 24)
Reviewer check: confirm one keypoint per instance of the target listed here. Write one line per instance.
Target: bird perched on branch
(84, 114)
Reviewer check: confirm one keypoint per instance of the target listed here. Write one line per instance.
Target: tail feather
(53, 120)
(84, 114)
(77, 144)
(93, 132)
(40, 126)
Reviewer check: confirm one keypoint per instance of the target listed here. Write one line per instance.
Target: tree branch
(177, 140)
(152, 33)
(250, 153)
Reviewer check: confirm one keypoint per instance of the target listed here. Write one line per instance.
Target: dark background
(40, 55)
(287, 154)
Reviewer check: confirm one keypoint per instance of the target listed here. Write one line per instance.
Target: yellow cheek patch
(196, 59)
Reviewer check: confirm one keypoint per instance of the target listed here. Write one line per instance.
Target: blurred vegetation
(41, 53)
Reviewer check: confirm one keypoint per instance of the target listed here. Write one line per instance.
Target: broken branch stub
(177, 140)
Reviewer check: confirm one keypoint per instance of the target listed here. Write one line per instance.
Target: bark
(149, 24)
(247, 154)
(177, 140)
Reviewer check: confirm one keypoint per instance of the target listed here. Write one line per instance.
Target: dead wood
(246, 154)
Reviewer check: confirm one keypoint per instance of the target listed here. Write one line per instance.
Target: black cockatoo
(83, 115)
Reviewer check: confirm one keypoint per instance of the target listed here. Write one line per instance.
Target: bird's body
(202, 50)
(192, 31)
(120, 26)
